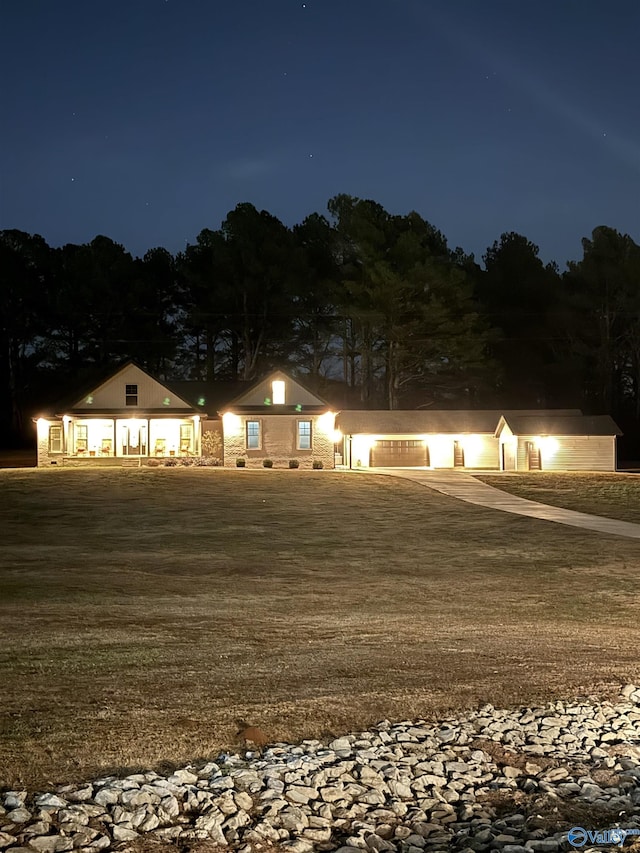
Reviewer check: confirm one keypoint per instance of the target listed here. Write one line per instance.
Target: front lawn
(611, 495)
(143, 610)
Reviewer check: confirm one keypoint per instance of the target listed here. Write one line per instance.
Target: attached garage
(557, 443)
(524, 440)
(399, 453)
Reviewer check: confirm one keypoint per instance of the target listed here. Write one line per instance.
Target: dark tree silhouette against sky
(148, 120)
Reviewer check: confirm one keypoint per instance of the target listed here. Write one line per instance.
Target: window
(185, 438)
(277, 392)
(304, 435)
(131, 395)
(55, 439)
(253, 435)
(82, 438)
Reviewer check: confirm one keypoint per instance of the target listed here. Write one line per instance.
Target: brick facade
(279, 435)
(45, 458)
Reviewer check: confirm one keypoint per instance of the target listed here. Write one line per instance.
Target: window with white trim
(304, 435)
(81, 438)
(55, 438)
(253, 435)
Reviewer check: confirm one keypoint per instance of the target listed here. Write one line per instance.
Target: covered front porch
(100, 438)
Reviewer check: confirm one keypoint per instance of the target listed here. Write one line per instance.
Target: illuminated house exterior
(556, 442)
(280, 420)
(129, 416)
(523, 440)
(132, 418)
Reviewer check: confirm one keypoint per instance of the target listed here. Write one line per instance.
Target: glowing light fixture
(471, 443)
(325, 423)
(231, 422)
(547, 444)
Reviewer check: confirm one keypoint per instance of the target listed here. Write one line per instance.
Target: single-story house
(131, 416)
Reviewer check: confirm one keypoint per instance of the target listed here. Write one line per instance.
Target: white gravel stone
(50, 801)
(411, 787)
(19, 815)
(14, 799)
(121, 833)
(49, 843)
(107, 796)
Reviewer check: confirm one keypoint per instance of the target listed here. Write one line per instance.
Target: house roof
(429, 421)
(256, 397)
(76, 394)
(208, 397)
(64, 397)
(205, 398)
(557, 424)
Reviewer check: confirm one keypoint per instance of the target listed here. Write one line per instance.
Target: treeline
(375, 305)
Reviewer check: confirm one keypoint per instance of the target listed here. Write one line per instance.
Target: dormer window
(131, 395)
(277, 392)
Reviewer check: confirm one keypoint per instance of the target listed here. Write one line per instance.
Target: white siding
(151, 393)
(485, 455)
(295, 394)
(573, 453)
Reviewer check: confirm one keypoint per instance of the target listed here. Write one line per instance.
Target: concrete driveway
(463, 486)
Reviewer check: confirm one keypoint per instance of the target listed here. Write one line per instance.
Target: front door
(534, 463)
(458, 454)
(508, 457)
(134, 439)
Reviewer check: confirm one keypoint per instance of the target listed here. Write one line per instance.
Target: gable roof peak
(259, 394)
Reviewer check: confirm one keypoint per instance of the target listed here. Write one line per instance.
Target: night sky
(148, 120)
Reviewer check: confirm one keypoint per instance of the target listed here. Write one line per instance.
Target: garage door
(399, 454)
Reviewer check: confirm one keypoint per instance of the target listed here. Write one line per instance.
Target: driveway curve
(463, 486)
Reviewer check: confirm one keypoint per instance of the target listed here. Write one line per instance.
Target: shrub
(207, 462)
(293, 463)
(171, 462)
(317, 464)
(154, 463)
(240, 462)
(267, 463)
(212, 443)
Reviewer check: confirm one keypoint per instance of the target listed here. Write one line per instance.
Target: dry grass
(611, 495)
(143, 611)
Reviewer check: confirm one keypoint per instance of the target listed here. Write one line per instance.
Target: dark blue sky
(148, 120)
